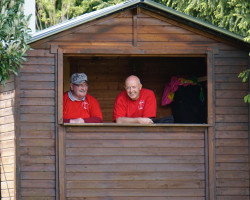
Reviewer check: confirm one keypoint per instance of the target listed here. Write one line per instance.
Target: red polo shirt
(144, 106)
(88, 109)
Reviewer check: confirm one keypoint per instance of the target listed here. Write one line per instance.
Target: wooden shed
(43, 159)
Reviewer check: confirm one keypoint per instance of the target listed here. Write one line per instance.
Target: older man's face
(133, 88)
(79, 91)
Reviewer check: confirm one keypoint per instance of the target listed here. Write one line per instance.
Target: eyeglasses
(82, 86)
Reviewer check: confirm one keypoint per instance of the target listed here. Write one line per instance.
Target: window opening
(106, 75)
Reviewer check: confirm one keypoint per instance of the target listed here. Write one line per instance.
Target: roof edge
(112, 9)
(80, 20)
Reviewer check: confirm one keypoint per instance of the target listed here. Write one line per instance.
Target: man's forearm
(137, 120)
(126, 120)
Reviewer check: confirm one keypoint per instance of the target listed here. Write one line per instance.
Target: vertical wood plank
(60, 86)
(61, 162)
(210, 106)
(17, 184)
(206, 163)
(135, 31)
(210, 87)
(57, 192)
(211, 164)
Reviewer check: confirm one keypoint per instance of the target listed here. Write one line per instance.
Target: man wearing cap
(78, 106)
(135, 104)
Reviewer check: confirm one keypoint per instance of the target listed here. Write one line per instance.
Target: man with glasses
(135, 104)
(78, 106)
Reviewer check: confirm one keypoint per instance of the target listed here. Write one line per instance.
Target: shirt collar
(72, 97)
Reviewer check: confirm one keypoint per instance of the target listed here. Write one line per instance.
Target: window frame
(207, 53)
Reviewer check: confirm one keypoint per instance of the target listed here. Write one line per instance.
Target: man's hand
(144, 120)
(137, 120)
(78, 120)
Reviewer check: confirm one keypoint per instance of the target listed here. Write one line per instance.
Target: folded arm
(137, 120)
(86, 120)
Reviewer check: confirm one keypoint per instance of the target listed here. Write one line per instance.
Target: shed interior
(106, 75)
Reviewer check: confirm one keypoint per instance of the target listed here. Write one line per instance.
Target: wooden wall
(128, 35)
(7, 140)
(232, 126)
(37, 129)
(127, 163)
(125, 32)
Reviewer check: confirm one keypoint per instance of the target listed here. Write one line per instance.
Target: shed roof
(148, 4)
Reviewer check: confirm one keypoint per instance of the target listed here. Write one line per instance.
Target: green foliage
(51, 12)
(233, 15)
(247, 98)
(13, 37)
(244, 75)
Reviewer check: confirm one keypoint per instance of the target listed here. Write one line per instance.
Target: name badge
(85, 105)
(141, 104)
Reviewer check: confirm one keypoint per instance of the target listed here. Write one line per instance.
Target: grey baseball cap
(78, 78)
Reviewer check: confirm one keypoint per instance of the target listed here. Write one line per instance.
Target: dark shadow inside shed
(106, 75)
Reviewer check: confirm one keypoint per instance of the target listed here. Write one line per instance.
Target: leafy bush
(14, 34)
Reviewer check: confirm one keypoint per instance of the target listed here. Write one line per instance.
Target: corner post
(211, 183)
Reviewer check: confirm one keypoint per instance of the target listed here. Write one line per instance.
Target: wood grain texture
(232, 135)
(37, 126)
(127, 163)
(146, 163)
